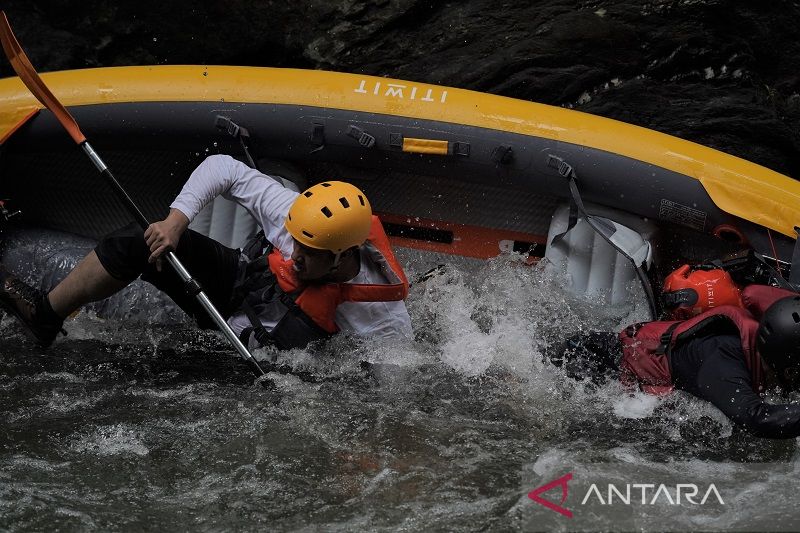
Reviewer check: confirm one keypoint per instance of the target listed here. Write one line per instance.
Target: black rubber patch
(420, 234)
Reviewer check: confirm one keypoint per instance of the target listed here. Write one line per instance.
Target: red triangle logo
(560, 482)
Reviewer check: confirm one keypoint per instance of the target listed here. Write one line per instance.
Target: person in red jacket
(728, 355)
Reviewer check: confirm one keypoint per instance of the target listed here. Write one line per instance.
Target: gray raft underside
(152, 148)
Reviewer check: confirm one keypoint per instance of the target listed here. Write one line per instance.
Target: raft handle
(428, 146)
(317, 137)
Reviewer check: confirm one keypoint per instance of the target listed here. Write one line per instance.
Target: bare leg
(87, 282)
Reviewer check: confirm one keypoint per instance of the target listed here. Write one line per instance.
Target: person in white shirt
(323, 264)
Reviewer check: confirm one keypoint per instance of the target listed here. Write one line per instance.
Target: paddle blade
(22, 66)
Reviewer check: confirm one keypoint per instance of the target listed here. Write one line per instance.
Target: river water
(137, 421)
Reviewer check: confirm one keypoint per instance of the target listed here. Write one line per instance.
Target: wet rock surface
(719, 72)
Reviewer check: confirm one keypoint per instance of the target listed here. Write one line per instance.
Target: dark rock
(719, 72)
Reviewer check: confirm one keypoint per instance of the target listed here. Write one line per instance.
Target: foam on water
(449, 430)
(637, 405)
(111, 440)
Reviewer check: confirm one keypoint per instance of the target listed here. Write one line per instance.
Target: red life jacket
(646, 347)
(319, 301)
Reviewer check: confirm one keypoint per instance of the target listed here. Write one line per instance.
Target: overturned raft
(448, 170)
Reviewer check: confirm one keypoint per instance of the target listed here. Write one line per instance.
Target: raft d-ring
(729, 233)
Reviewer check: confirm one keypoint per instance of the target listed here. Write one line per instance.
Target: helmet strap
(344, 257)
(337, 258)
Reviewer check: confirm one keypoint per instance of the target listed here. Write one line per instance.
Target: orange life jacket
(306, 311)
(319, 301)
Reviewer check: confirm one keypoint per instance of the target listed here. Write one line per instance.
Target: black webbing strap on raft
(794, 274)
(598, 224)
(237, 132)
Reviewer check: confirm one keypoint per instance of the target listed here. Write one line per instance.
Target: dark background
(723, 73)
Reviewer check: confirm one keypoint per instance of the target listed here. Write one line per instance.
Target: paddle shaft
(190, 284)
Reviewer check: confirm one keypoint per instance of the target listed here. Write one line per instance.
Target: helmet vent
(796, 317)
(325, 184)
(344, 202)
(308, 194)
(361, 199)
(326, 212)
(307, 234)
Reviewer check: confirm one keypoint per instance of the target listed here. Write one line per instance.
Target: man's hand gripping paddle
(22, 66)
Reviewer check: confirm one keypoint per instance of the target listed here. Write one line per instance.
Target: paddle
(24, 69)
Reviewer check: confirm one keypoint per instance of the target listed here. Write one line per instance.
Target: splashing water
(138, 421)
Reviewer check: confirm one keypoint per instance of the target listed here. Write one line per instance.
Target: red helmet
(690, 292)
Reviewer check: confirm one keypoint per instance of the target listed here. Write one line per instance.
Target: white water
(138, 421)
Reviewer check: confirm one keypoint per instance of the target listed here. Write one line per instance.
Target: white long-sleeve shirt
(268, 202)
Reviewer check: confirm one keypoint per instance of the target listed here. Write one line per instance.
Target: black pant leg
(124, 254)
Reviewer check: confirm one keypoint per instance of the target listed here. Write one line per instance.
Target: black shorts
(123, 253)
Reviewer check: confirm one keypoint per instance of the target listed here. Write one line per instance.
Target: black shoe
(30, 306)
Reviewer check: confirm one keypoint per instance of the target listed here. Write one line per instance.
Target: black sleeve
(593, 355)
(721, 377)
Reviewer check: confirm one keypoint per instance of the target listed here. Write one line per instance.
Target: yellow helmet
(332, 215)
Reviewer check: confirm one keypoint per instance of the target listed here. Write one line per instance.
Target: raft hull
(482, 191)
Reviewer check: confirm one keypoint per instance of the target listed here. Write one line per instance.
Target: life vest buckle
(666, 339)
(633, 329)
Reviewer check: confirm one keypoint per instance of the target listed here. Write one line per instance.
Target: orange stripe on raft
(468, 241)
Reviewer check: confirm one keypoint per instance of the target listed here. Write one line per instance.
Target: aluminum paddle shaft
(191, 286)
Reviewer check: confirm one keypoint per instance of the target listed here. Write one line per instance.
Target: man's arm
(724, 380)
(264, 198)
